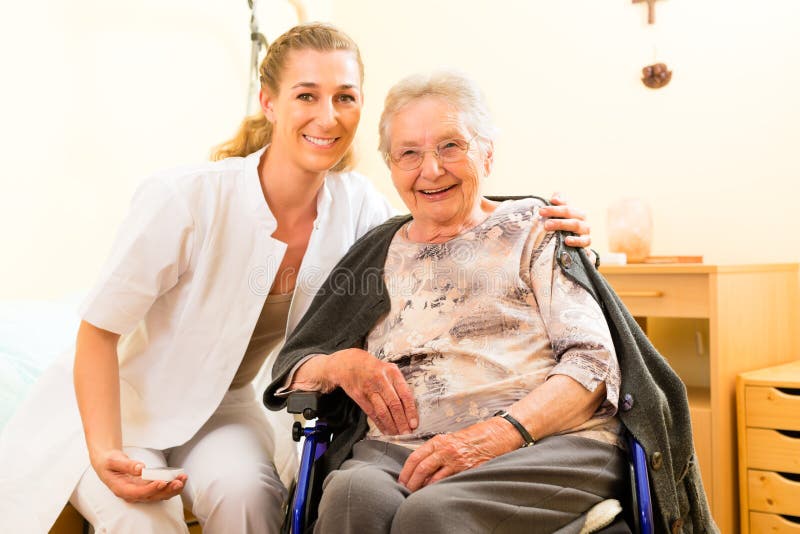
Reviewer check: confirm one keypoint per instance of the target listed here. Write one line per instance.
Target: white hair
(454, 87)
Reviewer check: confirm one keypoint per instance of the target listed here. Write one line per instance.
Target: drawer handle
(789, 433)
(795, 392)
(641, 294)
(794, 477)
(791, 518)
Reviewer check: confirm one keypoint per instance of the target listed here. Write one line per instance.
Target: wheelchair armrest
(306, 403)
(335, 408)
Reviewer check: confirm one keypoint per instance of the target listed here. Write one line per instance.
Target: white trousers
(232, 484)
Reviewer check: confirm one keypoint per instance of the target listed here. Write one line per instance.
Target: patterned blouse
(479, 321)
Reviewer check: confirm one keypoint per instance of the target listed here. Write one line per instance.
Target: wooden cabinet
(713, 322)
(768, 405)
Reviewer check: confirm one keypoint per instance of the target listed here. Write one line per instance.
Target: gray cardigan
(653, 402)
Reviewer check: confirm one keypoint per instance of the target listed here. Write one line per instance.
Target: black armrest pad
(304, 402)
(334, 408)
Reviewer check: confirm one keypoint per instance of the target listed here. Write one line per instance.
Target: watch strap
(526, 436)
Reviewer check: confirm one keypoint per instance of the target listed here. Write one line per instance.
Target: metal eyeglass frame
(435, 152)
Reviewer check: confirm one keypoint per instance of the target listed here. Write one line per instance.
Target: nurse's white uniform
(184, 285)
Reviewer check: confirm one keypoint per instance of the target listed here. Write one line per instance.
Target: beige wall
(716, 152)
(96, 95)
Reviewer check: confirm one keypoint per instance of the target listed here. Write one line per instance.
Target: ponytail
(254, 132)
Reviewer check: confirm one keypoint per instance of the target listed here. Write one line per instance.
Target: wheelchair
(307, 489)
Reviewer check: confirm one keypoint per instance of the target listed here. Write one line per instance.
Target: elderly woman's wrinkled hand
(448, 454)
(377, 387)
(564, 217)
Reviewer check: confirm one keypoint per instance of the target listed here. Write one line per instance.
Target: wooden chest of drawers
(714, 322)
(768, 405)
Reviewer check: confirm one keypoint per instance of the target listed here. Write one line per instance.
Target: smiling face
(316, 110)
(438, 194)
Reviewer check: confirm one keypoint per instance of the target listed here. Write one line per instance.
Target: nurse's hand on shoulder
(564, 217)
(123, 476)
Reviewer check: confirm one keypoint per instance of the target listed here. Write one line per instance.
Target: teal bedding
(32, 334)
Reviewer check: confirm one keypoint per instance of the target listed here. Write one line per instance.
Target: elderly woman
(487, 373)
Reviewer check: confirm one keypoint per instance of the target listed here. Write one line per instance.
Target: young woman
(213, 265)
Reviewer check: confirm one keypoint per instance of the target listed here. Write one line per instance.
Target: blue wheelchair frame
(640, 488)
(317, 437)
(316, 442)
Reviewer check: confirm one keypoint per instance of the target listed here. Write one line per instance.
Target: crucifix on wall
(651, 10)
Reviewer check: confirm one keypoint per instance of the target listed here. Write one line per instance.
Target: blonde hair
(255, 130)
(454, 87)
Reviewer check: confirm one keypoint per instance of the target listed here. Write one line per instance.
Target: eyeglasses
(448, 151)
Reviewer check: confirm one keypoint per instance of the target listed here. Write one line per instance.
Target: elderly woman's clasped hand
(380, 390)
(448, 454)
(377, 387)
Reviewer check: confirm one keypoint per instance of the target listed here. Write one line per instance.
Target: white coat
(185, 283)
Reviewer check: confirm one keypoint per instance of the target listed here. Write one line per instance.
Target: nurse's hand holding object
(125, 477)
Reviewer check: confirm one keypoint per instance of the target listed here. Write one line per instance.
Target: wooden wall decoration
(657, 75)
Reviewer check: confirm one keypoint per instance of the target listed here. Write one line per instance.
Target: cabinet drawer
(761, 523)
(652, 295)
(771, 492)
(768, 407)
(773, 451)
